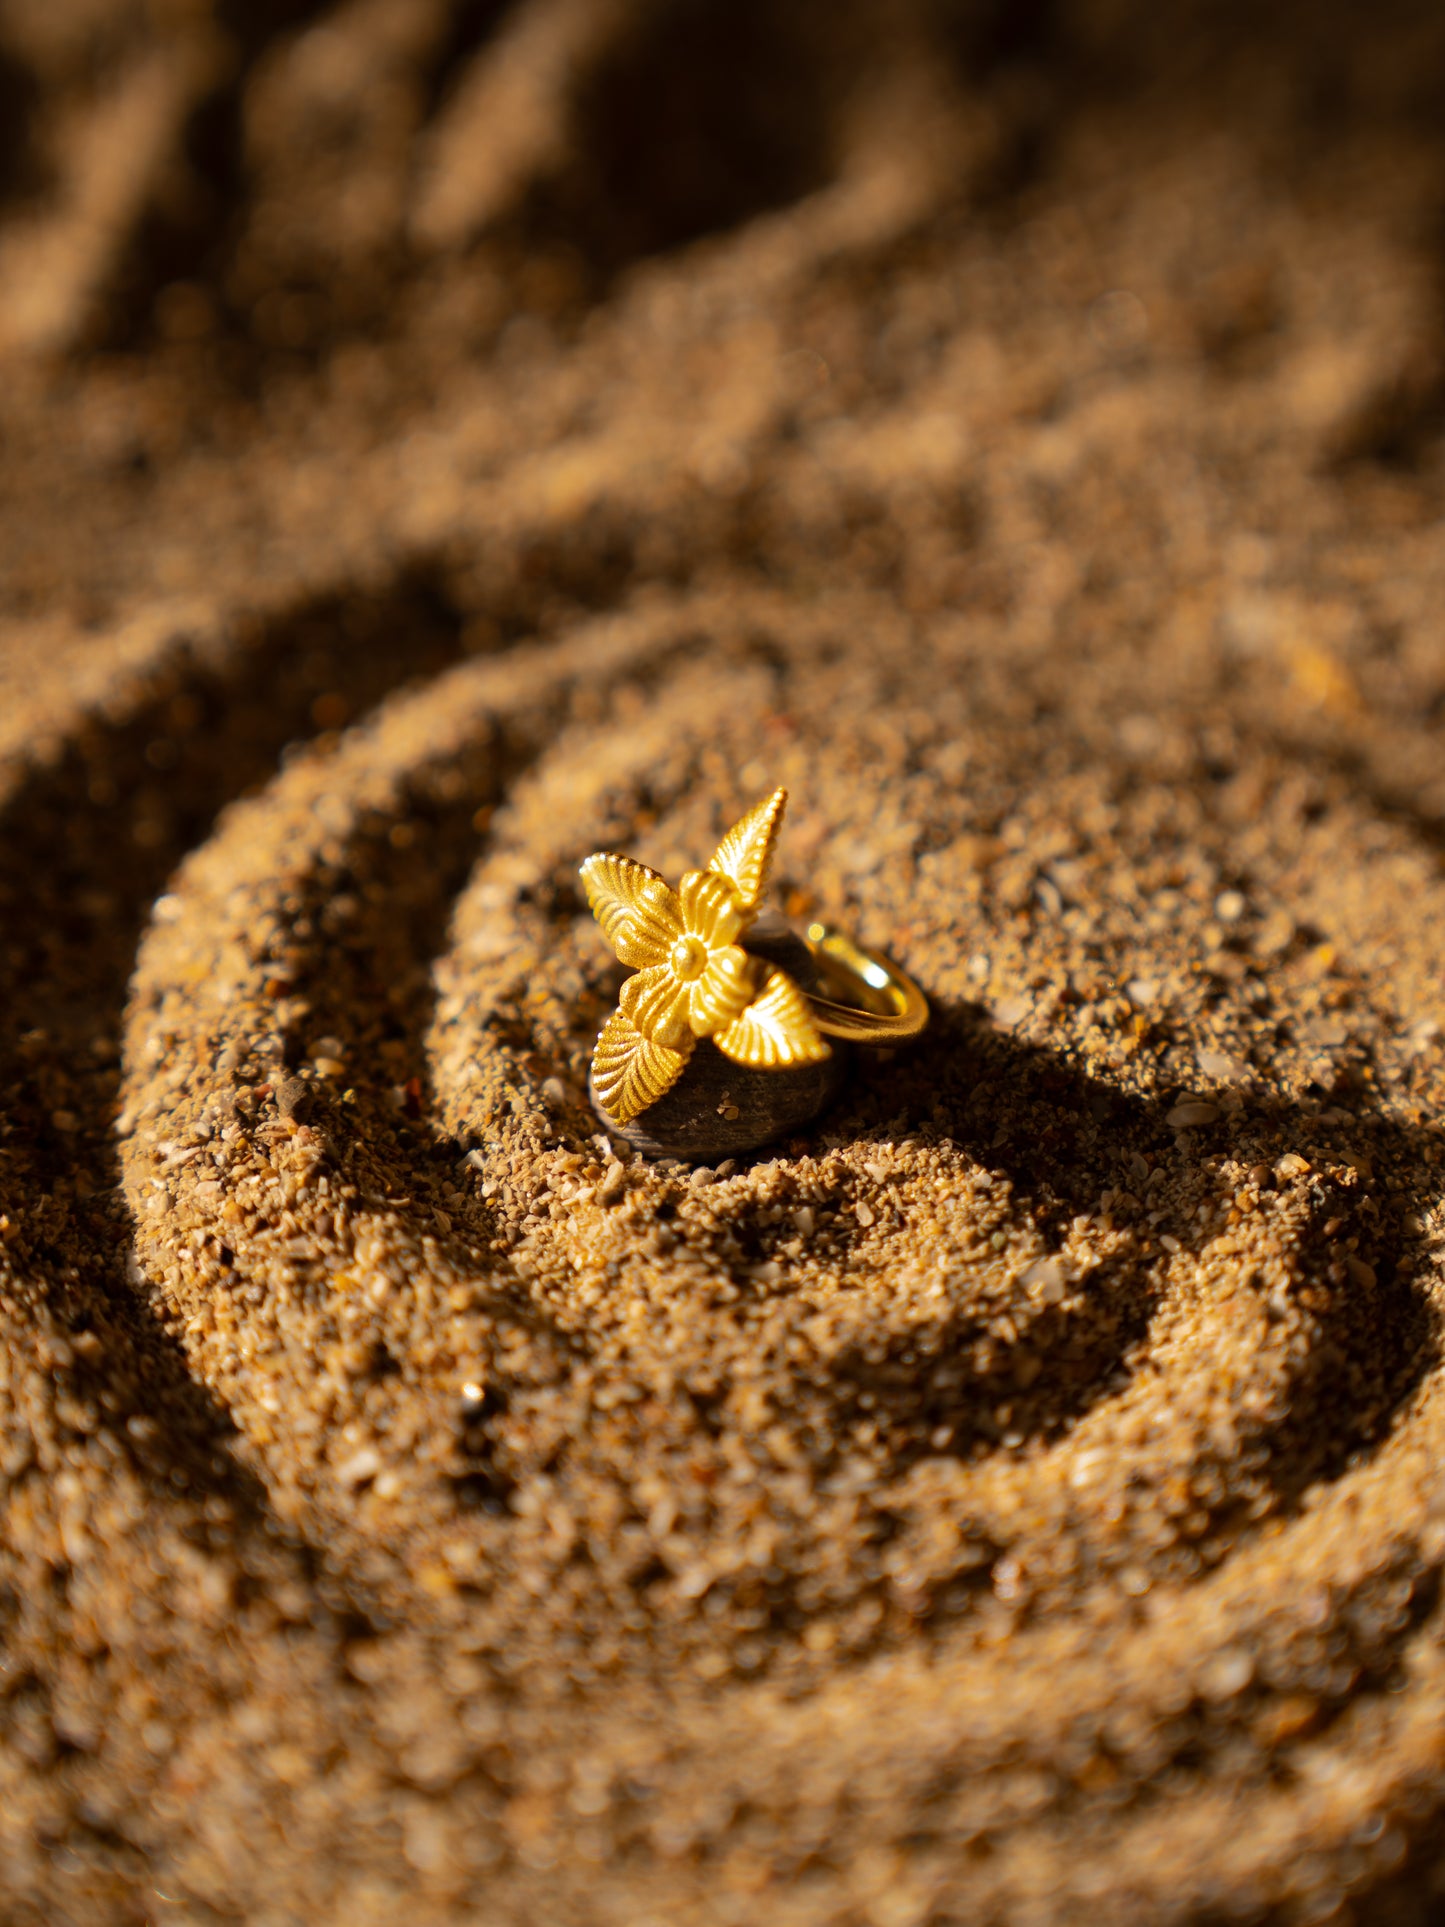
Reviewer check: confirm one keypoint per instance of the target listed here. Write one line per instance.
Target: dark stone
(293, 1098)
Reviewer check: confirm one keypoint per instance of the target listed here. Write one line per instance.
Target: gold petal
(710, 908)
(656, 1002)
(640, 916)
(746, 852)
(629, 1071)
(776, 1031)
(723, 991)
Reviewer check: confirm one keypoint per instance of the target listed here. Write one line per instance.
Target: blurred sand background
(441, 438)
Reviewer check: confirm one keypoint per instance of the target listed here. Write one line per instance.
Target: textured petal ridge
(710, 908)
(723, 991)
(745, 854)
(656, 1003)
(639, 915)
(629, 1071)
(775, 1031)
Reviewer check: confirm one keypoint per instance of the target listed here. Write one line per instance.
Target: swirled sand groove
(443, 441)
(856, 1418)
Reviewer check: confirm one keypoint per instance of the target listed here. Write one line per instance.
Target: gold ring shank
(872, 1000)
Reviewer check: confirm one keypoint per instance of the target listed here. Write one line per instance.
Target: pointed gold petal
(774, 1032)
(746, 852)
(640, 916)
(656, 1002)
(723, 991)
(710, 908)
(629, 1071)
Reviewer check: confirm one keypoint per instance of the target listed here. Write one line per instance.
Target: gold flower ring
(695, 979)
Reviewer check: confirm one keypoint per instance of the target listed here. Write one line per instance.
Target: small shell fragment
(1190, 1113)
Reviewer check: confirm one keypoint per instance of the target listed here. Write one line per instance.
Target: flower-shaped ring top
(694, 979)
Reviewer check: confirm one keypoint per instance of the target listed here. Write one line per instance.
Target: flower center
(688, 959)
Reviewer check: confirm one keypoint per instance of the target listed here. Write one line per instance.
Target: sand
(441, 441)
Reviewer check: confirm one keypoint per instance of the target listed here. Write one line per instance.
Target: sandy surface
(440, 440)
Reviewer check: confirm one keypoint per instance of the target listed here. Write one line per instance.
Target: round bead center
(688, 959)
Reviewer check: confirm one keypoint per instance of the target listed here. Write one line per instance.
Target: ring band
(874, 1001)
